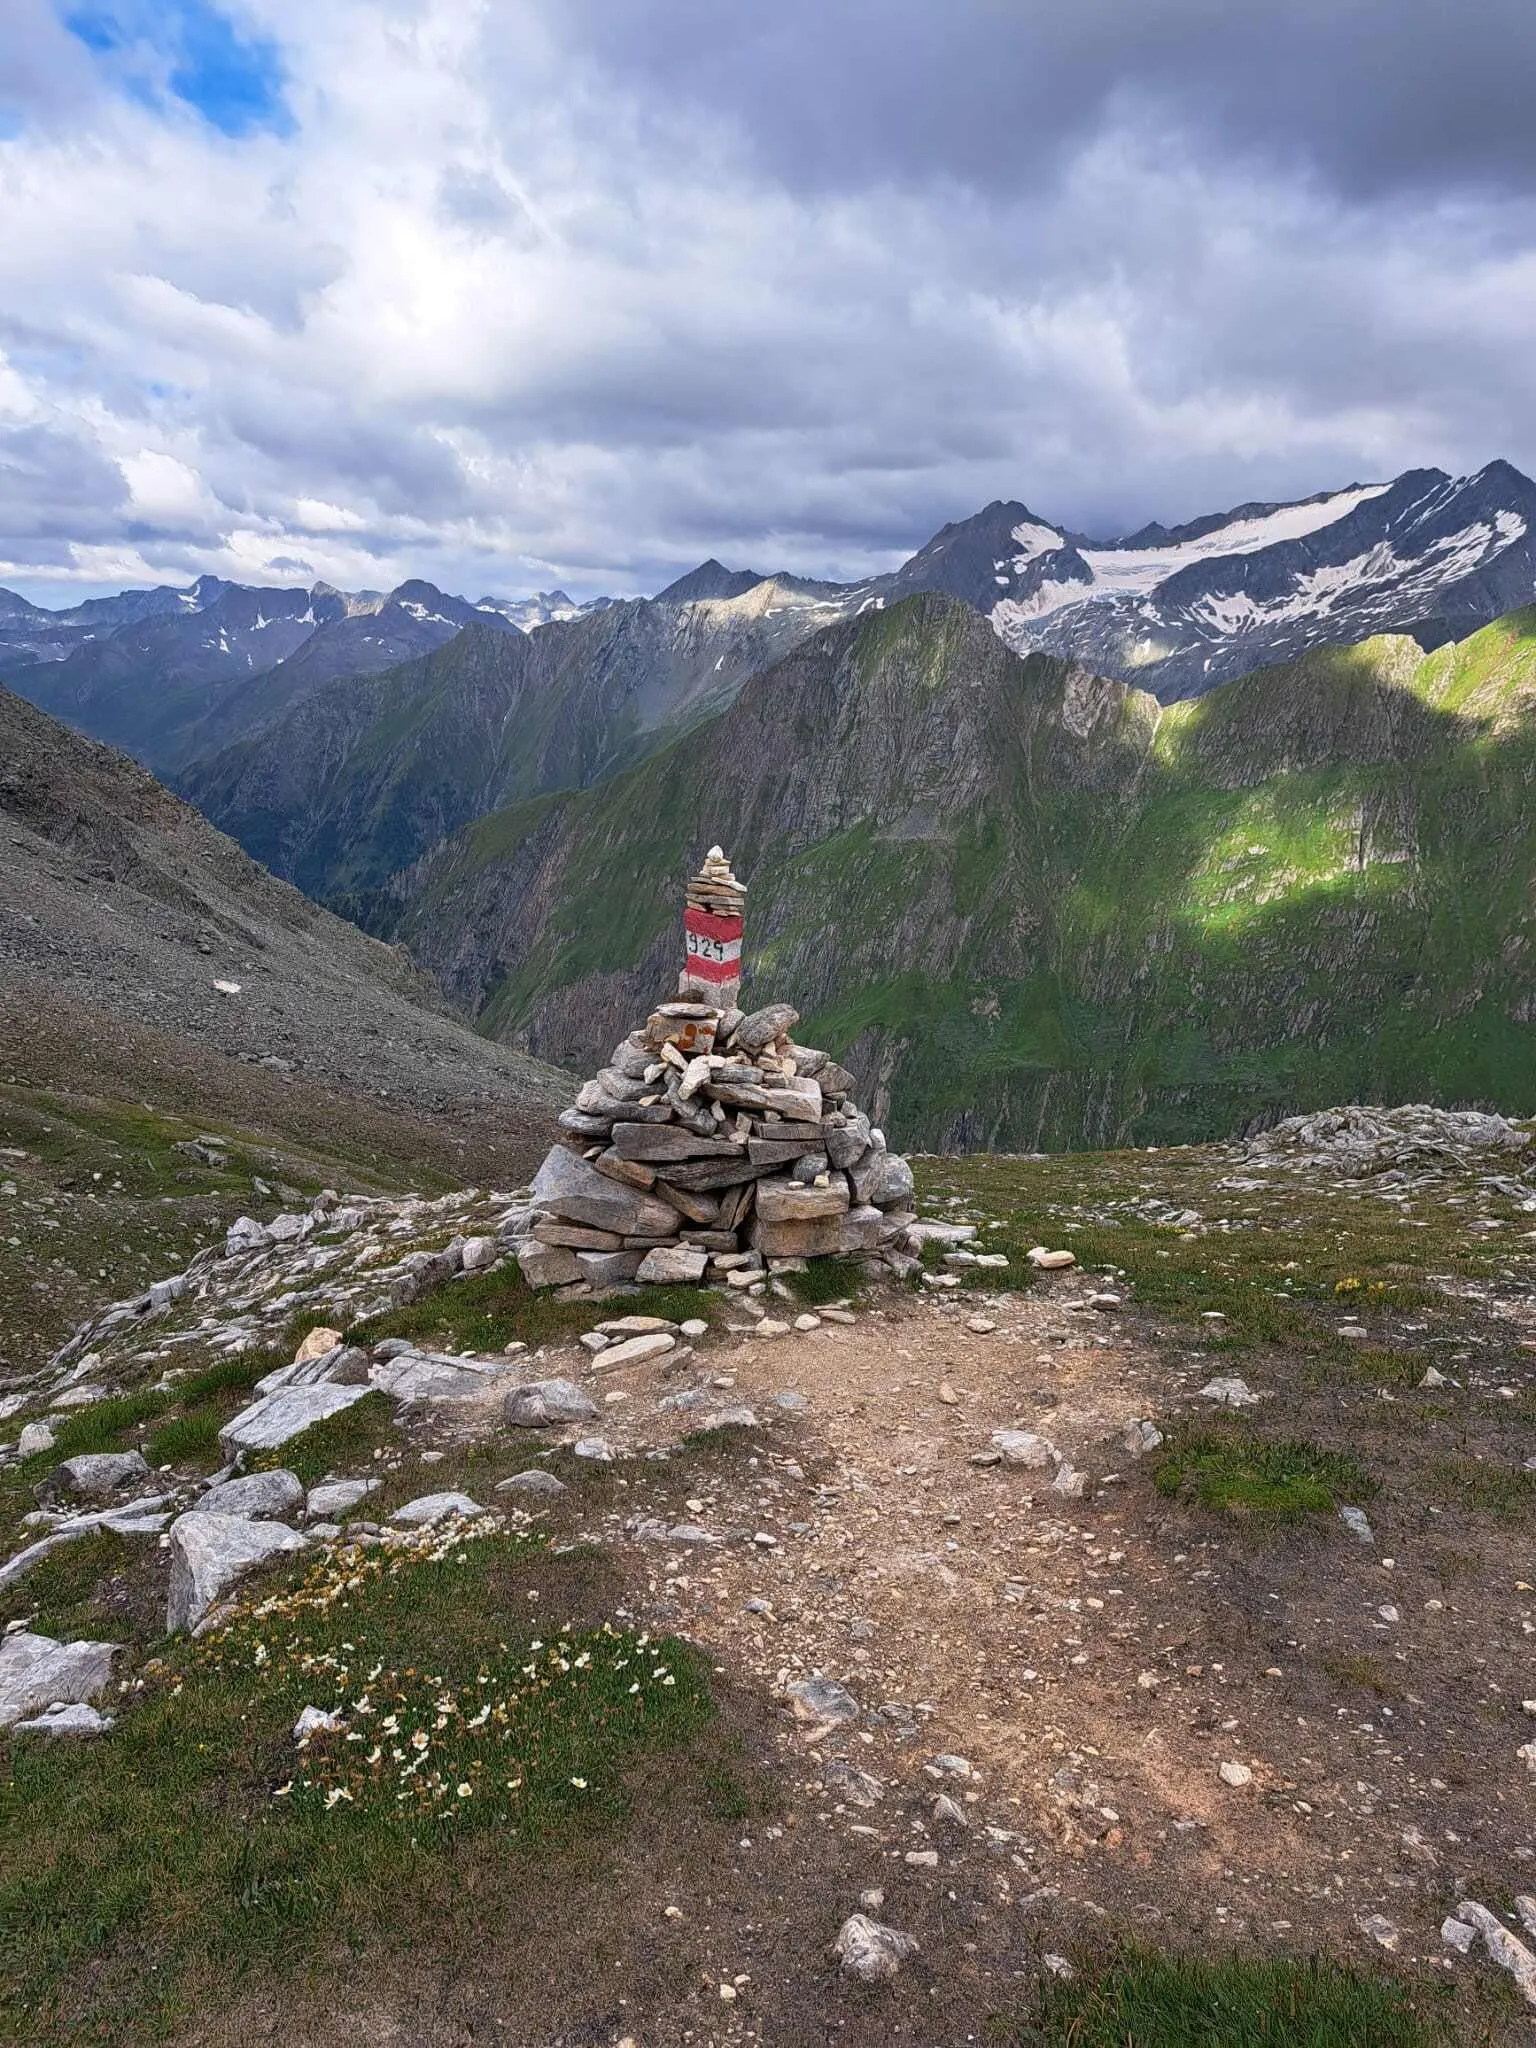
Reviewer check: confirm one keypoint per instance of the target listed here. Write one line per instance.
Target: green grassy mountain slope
(1032, 907)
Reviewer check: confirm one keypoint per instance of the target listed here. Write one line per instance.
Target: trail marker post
(712, 924)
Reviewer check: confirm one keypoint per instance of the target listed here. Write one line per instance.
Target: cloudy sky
(506, 293)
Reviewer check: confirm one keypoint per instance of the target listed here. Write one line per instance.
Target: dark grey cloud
(55, 488)
(1372, 96)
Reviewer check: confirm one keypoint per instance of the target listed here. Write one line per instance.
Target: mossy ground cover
(496, 1717)
(1230, 1469)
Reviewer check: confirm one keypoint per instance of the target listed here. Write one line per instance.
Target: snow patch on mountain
(1136, 572)
(1034, 541)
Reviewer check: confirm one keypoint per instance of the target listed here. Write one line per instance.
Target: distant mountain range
(362, 776)
(1119, 840)
(169, 675)
(174, 676)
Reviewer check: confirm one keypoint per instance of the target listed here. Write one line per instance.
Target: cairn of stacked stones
(712, 1143)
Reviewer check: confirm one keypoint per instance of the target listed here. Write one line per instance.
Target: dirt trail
(1095, 1660)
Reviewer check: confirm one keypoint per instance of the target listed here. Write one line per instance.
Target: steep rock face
(366, 774)
(1029, 906)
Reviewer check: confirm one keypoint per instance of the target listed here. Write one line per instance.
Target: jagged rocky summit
(712, 1144)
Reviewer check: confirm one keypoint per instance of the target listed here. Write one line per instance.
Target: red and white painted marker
(713, 945)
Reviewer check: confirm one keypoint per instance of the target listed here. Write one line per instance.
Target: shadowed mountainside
(120, 904)
(365, 774)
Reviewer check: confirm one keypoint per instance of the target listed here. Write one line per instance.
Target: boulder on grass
(429, 1509)
(543, 1403)
(279, 1417)
(93, 1475)
(261, 1497)
(39, 1671)
(209, 1553)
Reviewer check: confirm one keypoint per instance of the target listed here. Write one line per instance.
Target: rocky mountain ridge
(364, 776)
(170, 675)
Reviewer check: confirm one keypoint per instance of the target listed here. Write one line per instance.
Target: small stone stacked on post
(712, 926)
(712, 1142)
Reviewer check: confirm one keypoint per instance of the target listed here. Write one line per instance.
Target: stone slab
(687, 1202)
(667, 1142)
(279, 1417)
(818, 1238)
(783, 1151)
(861, 1229)
(608, 1269)
(635, 1350)
(210, 1553)
(580, 1237)
(702, 1174)
(632, 1173)
(672, 1264)
(780, 1201)
(568, 1187)
(548, 1265)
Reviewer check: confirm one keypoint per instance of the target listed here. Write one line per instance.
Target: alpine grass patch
(1230, 1471)
(1144, 2000)
(482, 1697)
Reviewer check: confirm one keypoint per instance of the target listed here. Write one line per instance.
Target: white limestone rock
(210, 1553)
(39, 1671)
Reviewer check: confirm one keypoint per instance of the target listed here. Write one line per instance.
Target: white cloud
(495, 314)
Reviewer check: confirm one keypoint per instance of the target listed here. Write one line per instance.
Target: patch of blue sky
(192, 52)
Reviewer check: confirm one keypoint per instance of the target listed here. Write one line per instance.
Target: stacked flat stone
(712, 1143)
